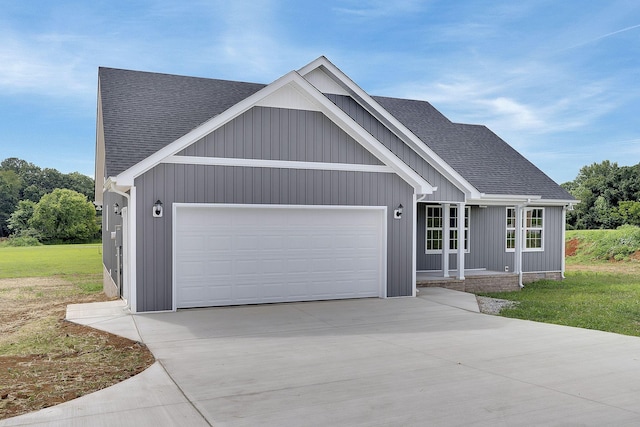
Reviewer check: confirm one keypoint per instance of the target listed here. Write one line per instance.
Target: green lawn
(603, 300)
(42, 261)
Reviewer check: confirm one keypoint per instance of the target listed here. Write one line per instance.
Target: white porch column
(445, 240)
(517, 262)
(461, 251)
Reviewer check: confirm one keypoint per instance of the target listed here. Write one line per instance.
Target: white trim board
(277, 164)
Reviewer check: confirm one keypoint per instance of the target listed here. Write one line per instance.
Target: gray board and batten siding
(446, 190)
(177, 183)
(487, 243)
(282, 134)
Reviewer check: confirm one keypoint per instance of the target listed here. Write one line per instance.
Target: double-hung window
(532, 229)
(435, 229)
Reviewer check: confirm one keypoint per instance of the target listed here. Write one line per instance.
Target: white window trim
(448, 238)
(524, 229)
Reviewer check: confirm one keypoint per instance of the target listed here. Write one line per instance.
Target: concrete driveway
(372, 362)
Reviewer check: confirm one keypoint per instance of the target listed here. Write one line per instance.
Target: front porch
(475, 280)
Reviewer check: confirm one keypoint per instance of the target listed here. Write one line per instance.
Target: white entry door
(252, 254)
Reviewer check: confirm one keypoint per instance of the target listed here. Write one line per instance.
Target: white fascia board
(392, 123)
(502, 199)
(278, 164)
(128, 176)
(100, 153)
(339, 117)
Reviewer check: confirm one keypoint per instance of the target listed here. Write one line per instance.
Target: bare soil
(45, 360)
(623, 267)
(571, 247)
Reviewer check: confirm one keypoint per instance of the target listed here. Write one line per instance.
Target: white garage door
(249, 254)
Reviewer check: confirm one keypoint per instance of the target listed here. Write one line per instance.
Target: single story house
(219, 192)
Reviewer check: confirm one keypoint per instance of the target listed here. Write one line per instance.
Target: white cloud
(519, 115)
(379, 8)
(46, 64)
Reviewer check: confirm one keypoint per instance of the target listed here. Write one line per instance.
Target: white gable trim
(317, 99)
(352, 89)
(99, 180)
(325, 83)
(287, 97)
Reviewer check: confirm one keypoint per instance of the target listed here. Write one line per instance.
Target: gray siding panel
(174, 183)
(282, 134)
(446, 190)
(488, 242)
(551, 258)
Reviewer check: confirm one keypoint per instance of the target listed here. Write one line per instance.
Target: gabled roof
(143, 113)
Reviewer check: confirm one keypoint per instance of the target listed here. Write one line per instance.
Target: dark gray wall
(109, 223)
(275, 134)
(446, 190)
(487, 242)
(224, 184)
(282, 134)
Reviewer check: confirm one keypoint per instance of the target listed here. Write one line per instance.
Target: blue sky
(558, 80)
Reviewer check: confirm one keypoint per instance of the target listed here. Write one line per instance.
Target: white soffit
(325, 83)
(288, 96)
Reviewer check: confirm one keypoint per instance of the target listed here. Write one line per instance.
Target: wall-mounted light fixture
(116, 209)
(570, 207)
(157, 209)
(397, 213)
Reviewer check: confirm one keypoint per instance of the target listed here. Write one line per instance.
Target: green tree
(64, 216)
(19, 220)
(601, 188)
(628, 212)
(10, 185)
(80, 183)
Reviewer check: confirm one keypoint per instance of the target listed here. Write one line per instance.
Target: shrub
(22, 241)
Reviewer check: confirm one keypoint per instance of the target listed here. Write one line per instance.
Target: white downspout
(564, 243)
(519, 239)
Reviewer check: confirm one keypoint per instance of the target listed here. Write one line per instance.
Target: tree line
(45, 204)
(609, 196)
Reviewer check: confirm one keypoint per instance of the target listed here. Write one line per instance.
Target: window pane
(534, 239)
(511, 218)
(511, 239)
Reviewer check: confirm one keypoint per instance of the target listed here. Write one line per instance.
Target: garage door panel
(227, 255)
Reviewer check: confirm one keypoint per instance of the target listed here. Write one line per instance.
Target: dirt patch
(615, 267)
(571, 247)
(45, 360)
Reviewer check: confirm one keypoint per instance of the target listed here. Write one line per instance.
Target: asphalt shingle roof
(485, 160)
(143, 112)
